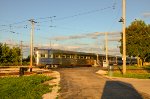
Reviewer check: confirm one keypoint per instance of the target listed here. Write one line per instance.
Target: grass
(132, 75)
(147, 67)
(136, 67)
(132, 72)
(130, 67)
(26, 87)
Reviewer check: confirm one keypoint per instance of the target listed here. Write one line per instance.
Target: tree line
(11, 56)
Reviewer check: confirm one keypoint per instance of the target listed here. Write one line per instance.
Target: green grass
(147, 67)
(135, 67)
(130, 67)
(26, 87)
(132, 75)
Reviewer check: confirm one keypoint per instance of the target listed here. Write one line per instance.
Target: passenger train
(50, 58)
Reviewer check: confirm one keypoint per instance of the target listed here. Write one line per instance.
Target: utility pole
(124, 34)
(106, 47)
(31, 43)
(21, 55)
(50, 45)
(123, 20)
(97, 52)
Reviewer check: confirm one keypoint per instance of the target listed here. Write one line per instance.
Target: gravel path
(84, 83)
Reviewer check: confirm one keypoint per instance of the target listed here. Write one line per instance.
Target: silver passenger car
(61, 58)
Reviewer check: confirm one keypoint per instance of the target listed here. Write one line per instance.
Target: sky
(78, 25)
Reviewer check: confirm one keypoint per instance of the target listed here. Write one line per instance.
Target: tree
(1, 45)
(15, 55)
(5, 53)
(9, 56)
(26, 61)
(137, 40)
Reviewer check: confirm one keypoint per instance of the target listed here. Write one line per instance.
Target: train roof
(67, 52)
(74, 52)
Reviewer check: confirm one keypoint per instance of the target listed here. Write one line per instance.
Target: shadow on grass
(119, 90)
(120, 70)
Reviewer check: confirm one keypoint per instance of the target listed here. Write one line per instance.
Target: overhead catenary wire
(53, 18)
(6, 26)
(116, 16)
(79, 14)
(48, 19)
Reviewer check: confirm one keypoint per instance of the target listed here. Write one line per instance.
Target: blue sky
(74, 19)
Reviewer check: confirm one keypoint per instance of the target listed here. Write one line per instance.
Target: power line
(10, 27)
(116, 16)
(15, 23)
(61, 18)
(50, 19)
(80, 14)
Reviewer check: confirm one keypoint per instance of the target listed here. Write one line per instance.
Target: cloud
(86, 47)
(93, 35)
(81, 44)
(114, 39)
(60, 38)
(90, 48)
(146, 14)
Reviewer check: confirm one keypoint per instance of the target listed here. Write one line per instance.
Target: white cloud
(81, 44)
(90, 48)
(146, 14)
(114, 39)
(85, 46)
(93, 35)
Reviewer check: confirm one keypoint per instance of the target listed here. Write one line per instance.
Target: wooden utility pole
(124, 34)
(31, 44)
(97, 53)
(21, 54)
(106, 47)
(50, 45)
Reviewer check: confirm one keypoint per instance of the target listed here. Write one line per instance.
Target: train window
(78, 57)
(68, 56)
(82, 57)
(71, 56)
(42, 55)
(46, 55)
(56, 56)
(63, 56)
(88, 57)
(50, 56)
